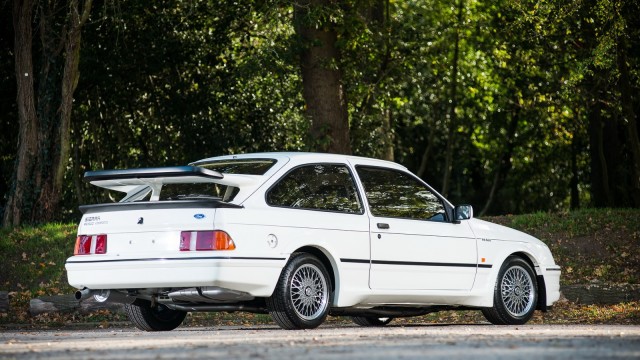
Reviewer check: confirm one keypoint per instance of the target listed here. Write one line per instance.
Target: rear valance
(149, 173)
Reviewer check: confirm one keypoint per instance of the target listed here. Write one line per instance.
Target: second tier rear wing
(137, 183)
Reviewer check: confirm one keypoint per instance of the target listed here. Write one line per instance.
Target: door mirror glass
(464, 212)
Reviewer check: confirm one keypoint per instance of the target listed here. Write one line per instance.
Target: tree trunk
(575, 193)
(389, 138)
(21, 196)
(600, 190)
(44, 120)
(631, 126)
(504, 164)
(453, 123)
(326, 104)
(424, 161)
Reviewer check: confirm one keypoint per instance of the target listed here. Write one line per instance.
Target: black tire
(157, 318)
(371, 320)
(515, 294)
(303, 294)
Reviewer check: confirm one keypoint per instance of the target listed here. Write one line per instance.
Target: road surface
(329, 342)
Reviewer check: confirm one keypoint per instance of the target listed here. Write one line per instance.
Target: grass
(591, 245)
(33, 258)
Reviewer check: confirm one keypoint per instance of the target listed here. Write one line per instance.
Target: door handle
(383, 226)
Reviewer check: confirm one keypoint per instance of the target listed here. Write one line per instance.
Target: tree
(44, 110)
(324, 95)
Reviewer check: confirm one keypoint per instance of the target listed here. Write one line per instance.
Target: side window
(393, 193)
(319, 187)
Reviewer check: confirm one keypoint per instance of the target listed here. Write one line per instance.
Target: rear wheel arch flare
(327, 261)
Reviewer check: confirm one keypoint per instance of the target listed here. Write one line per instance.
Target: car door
(413, 245)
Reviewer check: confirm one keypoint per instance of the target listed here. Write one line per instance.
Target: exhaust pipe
(83, 294)
(104, 296)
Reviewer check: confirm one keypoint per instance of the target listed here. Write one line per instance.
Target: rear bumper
(256, 276)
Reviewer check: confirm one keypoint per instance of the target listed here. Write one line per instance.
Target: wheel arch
(326, 259)
(542, 288)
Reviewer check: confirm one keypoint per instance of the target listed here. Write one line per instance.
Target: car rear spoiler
(151, 173)
(138, 182)
(128, 179)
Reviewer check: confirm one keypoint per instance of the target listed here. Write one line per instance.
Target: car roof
(302, 157)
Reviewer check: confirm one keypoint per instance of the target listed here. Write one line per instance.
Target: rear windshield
(187, 191)
(239, 166)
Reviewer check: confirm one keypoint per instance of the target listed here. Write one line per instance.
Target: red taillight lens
(206, 240)
(101, 244)
(83, 245)
(86, 243)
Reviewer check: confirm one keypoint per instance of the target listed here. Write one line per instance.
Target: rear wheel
(157, 318)
(515, 294)
(303, 294)
(371, 320)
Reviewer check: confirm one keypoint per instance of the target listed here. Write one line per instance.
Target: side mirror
(463, 212)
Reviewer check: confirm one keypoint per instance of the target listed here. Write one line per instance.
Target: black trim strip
(554, 269)
(411, 263)
(185, 258)
(357, 261)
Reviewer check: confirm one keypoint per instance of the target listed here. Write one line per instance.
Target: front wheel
(303, 294)
(157, 318)
(515, 294)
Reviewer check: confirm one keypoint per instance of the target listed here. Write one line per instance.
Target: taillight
(101, 244)
(83, 245)
(205, 240)
(90, 244)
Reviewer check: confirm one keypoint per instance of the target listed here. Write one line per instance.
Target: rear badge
(141, 221)
(199, 216)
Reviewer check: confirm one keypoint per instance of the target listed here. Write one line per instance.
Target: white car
(300, 236)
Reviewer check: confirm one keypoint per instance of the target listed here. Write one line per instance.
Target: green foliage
(33, 258)
(175, 81)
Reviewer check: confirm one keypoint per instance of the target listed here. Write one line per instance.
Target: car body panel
(412, 263)
(422, 255)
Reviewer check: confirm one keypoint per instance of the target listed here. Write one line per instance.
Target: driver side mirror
(463, 212)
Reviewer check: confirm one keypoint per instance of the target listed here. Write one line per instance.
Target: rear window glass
(327, 187)
(197, 191)
(186, 191)
(239, 166)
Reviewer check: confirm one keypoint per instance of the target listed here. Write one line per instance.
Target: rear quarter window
(327, 187)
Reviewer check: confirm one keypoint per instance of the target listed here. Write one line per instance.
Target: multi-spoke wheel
(303, 294)
(371, 320)
(515, 294)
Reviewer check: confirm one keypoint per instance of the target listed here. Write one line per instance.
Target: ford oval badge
(199, 216)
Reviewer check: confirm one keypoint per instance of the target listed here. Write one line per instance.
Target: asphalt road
(330, 342)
